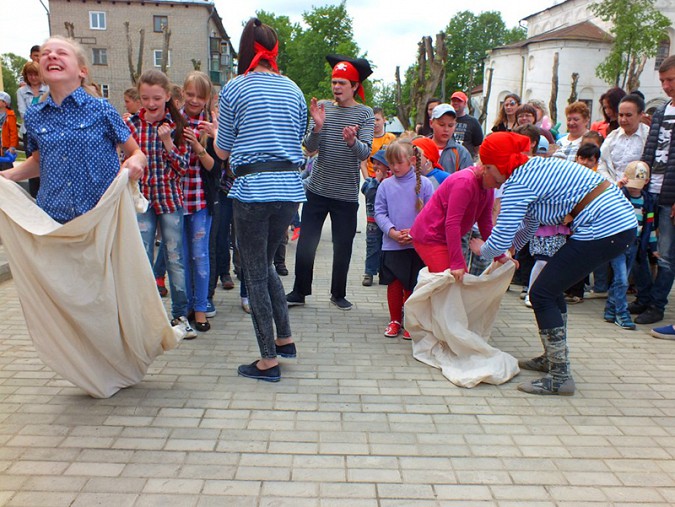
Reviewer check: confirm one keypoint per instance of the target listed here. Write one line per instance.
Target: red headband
(345, 70)
(262, 53)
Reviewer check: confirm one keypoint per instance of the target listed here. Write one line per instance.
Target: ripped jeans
(171, 226)
(196, 233)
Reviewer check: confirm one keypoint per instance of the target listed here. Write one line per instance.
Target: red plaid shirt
(161, 182)
(193, 188)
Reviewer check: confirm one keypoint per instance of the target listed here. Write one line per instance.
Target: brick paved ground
(356, 421)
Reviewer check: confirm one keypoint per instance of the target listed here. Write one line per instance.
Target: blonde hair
(400, 150)
(204, 90)
(82, 61)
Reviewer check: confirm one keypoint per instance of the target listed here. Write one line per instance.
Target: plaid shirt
(161, 182)
(193, 188)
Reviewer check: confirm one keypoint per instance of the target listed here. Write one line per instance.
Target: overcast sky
(387, 30)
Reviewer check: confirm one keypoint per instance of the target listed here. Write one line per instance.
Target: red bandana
(505, 151)
(262, 53)
(345, 70)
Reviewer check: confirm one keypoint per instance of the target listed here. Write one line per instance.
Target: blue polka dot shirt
(77, 142)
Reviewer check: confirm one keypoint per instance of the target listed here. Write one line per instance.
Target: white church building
(582, 41)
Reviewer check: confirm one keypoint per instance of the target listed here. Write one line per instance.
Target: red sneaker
(296, 234)
(393, 329)
(406, 335)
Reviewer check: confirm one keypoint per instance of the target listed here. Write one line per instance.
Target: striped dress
(262, 118)
(542, 192)
(336, 173)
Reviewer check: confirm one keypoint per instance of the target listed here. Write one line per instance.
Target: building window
(99, 56)
(662, 52)
(157, 58)
(105, 91)
(159, 22)
(97, 20)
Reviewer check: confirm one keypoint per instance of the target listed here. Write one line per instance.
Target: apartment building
(198, 38)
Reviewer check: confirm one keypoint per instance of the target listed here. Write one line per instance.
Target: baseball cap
(379, 156)
(461, 96)
(442, 109)
(637, 174)
(4, 96)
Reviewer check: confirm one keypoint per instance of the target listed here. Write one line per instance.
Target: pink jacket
(458, 203)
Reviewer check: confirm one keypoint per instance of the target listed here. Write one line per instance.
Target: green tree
(468, 38)
(329, 30)
(638, 28)
(384, 96)
(11, 72)
(286, 31)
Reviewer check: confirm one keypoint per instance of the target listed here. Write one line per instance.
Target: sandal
(202, 327)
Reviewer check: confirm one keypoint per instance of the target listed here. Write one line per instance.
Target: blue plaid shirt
(77, 142)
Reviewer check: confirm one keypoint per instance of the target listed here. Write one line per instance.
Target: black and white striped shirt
(336, 173)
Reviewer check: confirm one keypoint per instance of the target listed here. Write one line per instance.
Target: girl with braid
(398, 201)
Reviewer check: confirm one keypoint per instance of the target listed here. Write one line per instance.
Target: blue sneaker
(610, 314)
(272, 374)
(624, 321)
(664, 332)
(210, 309)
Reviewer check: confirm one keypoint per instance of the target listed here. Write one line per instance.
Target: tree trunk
(634, 77)
(431, 62)
(553, 102)
(165, 48)
(402, 108)
(486, 99)
(134, 74)
(573, 90)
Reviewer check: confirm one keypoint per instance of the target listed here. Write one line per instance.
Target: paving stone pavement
(355, 421)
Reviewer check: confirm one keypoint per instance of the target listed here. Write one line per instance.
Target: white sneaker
(190, 333)
(527, 301)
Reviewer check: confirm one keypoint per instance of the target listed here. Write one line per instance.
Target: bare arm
(135, 160)
(28, 169)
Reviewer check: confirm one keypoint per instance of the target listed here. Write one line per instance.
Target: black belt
(265, 167)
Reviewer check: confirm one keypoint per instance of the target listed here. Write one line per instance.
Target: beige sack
(86, 289)
(450, 324)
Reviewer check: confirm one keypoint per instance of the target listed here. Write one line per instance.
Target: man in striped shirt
(342, 132)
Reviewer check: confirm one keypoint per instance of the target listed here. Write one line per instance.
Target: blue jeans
(171, 226)
(601, 279)
(260, 228)
(373, 248)
(621, 264)
(656, 294)
(196, 230)
(159, 267)
(223, 255)
(572, 263)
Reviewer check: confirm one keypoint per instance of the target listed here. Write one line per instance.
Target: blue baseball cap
(379, 156)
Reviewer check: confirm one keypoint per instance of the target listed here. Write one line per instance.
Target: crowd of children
(170, 150)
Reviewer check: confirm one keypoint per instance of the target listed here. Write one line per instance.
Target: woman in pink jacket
(464, 198)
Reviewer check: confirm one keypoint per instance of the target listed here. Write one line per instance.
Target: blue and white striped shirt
(543, 191)
(263, 118)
